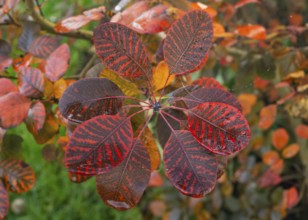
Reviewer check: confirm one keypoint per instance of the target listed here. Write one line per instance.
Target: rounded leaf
(208, 82)
(99, 144)
(32, 83)
(43, 46)
(219, 127)
(188, 42)
(91, 97)
(122, 187)
(17, 175)
(36, 116)
(290, 151)
(122, 51)
(6, 86)
(190, 168)
(280, 138)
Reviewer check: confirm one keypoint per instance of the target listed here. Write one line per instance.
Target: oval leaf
(32, 84)
(122, 187)
(219, 127)
(36, 116)
(57, 63)
(88, 98)
(6, 86)
(190, 168)
(208, 82)
(18, 176)
(14, 109)
(99, 144)
(280, 138)
(71, 23)
(256, 31)
(43, 46)
(188, 42)
(290, 151)
(122, 51)
(4, 201)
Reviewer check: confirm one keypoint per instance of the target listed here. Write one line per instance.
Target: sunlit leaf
(71, 23)
(270, 157)
(290, 197)
(161, 75)
(99, 144)
(188, 42)
(91, 97)
(32, 82)
(219, 127)
(290, 151)
(189, 167)
(14, 109)
(256, 31)
(123, 186)
(267, 116)
(208, 9)
(122, 51)
(57, 63)
(6, 86)
(17, 175)
(280, 138)
(59, 87)
(43, 46)
(4, 201)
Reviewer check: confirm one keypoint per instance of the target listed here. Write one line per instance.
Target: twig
(8, 77)
(40, 8)
(13, 21)
(49, 26)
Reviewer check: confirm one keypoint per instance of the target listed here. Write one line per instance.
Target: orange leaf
(247, 101)
(280, 138)
(270, 157)
(256, 31)
(302, 131)
(260, 83)
(198, 5)
(267, 116)
(295, 19)
(278, 166)
(290, 151)
(156, 179)
(59, 88)
(290, 197)
(161, 75)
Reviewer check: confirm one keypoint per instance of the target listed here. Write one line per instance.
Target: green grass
(54, 196)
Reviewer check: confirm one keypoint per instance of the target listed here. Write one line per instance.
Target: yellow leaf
(149, 141)
(59, 87)
(161, 75)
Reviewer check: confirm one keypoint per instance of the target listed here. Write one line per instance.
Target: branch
(49, 26)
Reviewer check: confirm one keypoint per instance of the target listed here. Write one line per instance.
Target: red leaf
(188, 42)
(88, 98)
(71, 23)
(208, 82)
(57, 63)
(190, 168)
(257, 32)
(269, 178)
(156, 179)
(219, 127)
(122, 187)
(290, 151)
(242, 3)
(99, 144)
(122, 51)
(290, 197)
(4, 201)
(43, 46)
(17, 175)
(36, 116)
(32, 83)
(154, 20)
(128, 15)
(302, 131)
(6, 86)
(14, 109)
(280, 138)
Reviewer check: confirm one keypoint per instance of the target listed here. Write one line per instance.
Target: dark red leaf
(208, 82)
(99, 144)
(91, 97)
(17, 175)
(43, 46)
(32, 82)
(219, 127)
(30, 30)
(4, 201)
(188, 42)
(190, 168)
(6, 86)
(57, 63)
(36, 116)
(123, 186)
(122, 51)
(14, 109)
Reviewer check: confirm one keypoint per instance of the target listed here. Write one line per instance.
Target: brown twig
(49, 26)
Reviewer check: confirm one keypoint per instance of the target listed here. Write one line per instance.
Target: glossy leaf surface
(99, 144)
(219, 127)
(88, 98)
(43, 46)
(57, 63)
(190, 168)
(122, 51)
(123, 186)
(4, 201)
(32, 84)
(14, 109)
(188, 42)
(18, 176)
